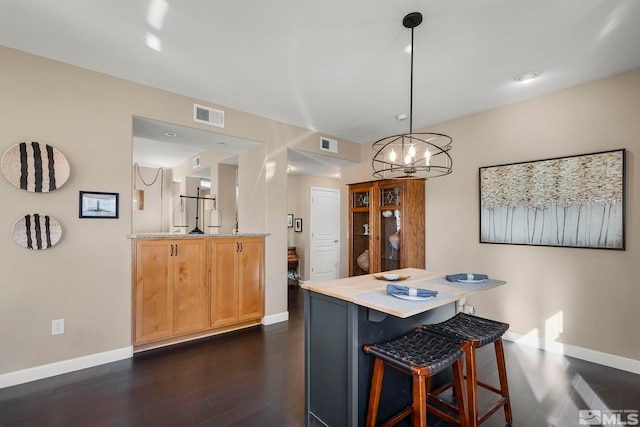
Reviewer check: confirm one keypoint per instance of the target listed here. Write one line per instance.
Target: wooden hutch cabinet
(386, 225)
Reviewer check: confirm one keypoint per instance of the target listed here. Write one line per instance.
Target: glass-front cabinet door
(388, 240)
(360, 230)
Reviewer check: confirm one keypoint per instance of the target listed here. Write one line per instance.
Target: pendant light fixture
(413, 154)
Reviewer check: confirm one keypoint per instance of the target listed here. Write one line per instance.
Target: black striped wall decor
(35, 167)
(36, 231)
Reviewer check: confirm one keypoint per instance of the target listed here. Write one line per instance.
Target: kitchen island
(343, 315)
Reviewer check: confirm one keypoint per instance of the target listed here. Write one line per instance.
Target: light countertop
(370, 292)
(191, 236)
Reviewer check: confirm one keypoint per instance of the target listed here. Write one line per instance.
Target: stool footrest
(444, 415)
(398, 417)
(499, 404)
(489, 387)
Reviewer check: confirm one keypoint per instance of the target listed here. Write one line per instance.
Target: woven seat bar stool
(478, 332)
(421, 355)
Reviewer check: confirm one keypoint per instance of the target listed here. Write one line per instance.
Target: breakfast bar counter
(343, 315)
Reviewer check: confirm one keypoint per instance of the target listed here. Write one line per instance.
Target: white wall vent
(327, 144)
(208, 115)
(195, 162)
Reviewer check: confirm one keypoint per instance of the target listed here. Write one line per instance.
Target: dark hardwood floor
(256, 378)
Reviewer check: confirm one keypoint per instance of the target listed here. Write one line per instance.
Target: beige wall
(156, 215)
(86, 278)
(226, 199)
(586, 298)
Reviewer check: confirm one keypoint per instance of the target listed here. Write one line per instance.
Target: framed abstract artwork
(576, 201)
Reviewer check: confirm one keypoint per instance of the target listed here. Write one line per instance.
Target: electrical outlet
(57, 327)
(461, 304)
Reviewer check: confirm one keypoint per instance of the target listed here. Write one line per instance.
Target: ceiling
(160, 144)
(337, 67)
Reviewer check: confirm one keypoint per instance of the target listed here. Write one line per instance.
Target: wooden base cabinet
(236, 280)
(171, 291)
(193, 287)
(386, 225)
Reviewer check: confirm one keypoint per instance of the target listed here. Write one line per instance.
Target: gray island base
(343, 315)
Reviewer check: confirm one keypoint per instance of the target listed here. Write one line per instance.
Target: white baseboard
(63, 367)
(611, 360)
(66, 366)
(275, 318)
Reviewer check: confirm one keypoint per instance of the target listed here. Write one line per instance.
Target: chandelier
(413, 154)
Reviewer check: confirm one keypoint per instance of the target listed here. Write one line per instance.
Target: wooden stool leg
(502, 374)
(458, 385)
(420, 390)
(374, 393)
(472, 386)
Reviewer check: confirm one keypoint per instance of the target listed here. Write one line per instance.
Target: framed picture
(290, 220)
(297, 225)
(576, 201)
(95, 204)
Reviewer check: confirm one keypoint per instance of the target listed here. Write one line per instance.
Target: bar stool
(477, 332)
(421, 355)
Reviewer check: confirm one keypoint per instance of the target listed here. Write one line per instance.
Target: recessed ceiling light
(221, 143)
(401, 117)
(170, 134)
(528, 76)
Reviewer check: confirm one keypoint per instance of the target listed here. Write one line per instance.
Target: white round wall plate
(35, 167)
(36, 231)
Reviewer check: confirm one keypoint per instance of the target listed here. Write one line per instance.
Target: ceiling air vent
(327, 144)
(207, 115)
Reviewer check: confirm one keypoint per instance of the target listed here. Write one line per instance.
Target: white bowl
(391, 276)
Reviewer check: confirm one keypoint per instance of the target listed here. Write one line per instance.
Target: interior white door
(324, 258)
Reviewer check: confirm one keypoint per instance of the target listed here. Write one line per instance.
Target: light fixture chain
(411, 89)
(142, 179)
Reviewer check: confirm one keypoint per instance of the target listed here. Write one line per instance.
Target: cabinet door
(250, 281)
(389, 220)
(153, 290)
(361, 229)
(413, 233)
(224, 281)
(190, 286)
